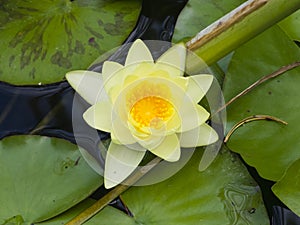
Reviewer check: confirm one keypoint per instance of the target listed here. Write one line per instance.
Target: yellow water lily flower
(145, 105)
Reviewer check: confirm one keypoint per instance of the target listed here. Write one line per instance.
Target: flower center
(151, 111)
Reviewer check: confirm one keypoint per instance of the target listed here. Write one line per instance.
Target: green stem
(239, 26)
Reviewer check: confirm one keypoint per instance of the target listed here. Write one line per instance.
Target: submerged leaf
(42, 40)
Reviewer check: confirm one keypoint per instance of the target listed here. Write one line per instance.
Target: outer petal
(140, 69)
(109, 69)
(137, 53)
(99, 116)
(88, 85)
(198, 85)
(192, 115)
(200, 136)
(169, 149)
(173, 60)
(120, 163)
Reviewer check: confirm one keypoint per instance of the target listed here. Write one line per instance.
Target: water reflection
(241, 203)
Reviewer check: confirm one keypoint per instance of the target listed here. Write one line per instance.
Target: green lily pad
(69, 214)
(107, 215)
(41, 177)
(287, 189)
(268, 146)
(223, 194)
(42, 40)
(291, 25)
(198, 14)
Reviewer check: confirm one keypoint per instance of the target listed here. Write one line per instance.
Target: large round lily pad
(41, 177)
(268, 146)
(223, 194)
(42, 40)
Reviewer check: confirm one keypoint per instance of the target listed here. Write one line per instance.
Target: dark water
(47, 109)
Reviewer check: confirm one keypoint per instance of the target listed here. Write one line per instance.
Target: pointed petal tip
(173, 60)
(87, 115)
(98, 116)
(168, 149)
(214, 137)
(87, 84)
(108, 184)
(174, 157)
(204, 81)
(79, 73)
(120, 162)
(73, 76)
(199, 136)
(198, 86)
(110, 68)
(138, 53)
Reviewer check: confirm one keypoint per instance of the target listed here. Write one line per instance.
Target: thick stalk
(239, 26)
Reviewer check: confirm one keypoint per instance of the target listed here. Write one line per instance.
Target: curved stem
(251, 119)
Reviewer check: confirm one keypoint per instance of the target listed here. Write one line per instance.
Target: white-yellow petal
(133, 146)
(88, 84)
(198, 85)
(120, 162)
(138, 53)
(113, 81)
(191, 115)
(121, 131)
(181, 82)
(141, 69)
(173, 60)
(151, 141)
(169, 148)
(98, 116)
(199, 136)
(109, 69)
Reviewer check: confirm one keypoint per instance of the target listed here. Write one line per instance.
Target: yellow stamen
(151, 111)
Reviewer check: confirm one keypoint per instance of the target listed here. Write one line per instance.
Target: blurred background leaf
(42, 40)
